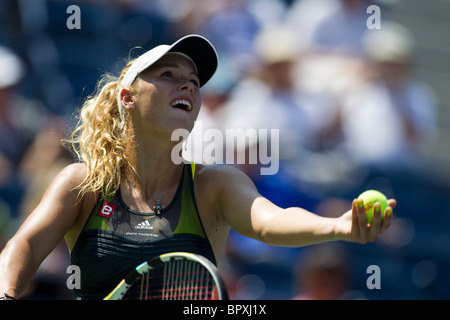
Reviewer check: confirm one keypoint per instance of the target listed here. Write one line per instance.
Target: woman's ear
(127, 99)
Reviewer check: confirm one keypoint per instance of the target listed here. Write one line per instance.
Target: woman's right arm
(45, 227)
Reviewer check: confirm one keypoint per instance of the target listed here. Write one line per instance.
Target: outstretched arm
(252, 215)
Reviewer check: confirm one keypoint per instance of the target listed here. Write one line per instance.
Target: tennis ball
(370, 197)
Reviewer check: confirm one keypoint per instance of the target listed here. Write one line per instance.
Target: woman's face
(167, 95)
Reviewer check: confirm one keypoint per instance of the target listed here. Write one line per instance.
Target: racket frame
(121, 289)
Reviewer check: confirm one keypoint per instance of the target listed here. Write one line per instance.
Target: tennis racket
(172, 276)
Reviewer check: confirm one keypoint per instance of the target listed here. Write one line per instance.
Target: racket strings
(178, 280)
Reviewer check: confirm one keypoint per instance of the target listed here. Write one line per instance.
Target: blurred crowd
(349, 111)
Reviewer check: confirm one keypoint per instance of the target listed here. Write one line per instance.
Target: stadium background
(61, 67)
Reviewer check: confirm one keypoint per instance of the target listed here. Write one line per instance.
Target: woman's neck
(151, 167)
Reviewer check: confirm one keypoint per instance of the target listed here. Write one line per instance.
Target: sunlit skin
(172, 77)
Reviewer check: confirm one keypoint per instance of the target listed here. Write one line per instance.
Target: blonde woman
(127, 201)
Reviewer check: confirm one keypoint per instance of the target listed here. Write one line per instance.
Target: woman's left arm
(252, 215)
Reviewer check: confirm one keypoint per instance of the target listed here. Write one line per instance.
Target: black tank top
(116, 238)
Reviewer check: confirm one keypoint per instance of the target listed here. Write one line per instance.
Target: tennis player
(126, 201)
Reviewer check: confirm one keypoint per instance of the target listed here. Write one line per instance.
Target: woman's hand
(353, 225)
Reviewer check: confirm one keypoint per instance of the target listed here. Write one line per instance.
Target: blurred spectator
(232, 27)
(323, 272)
(269, 98)
(20, 119)
(31, 154)
(306, 15)
(11, 72)
(332, 34)
(44, 159)
(389, 120)
(331, 26)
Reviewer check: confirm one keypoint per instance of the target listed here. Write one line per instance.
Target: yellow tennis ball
(370, 197)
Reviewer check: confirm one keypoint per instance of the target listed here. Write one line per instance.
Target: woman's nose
(187, 85)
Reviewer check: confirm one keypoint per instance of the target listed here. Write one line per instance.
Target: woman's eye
(167, 74)
(196, 83)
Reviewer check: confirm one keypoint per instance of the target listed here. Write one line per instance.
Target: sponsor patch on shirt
(106, 210)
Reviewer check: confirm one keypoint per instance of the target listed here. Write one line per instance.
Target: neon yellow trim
(193, 169)
(189, 220)
(95, 221)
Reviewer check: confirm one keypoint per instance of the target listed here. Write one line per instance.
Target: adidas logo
(144, 225)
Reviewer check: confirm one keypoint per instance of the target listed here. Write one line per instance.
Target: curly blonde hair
(102, 137)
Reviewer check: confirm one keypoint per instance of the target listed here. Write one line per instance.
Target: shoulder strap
(189, 218)
(193, 169)
(97, 220)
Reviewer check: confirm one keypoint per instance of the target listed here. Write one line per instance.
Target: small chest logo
(106, 210)
(144, 225)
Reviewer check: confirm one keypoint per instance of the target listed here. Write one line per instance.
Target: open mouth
(182, 104)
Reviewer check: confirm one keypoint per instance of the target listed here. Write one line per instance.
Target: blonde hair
(102, 137)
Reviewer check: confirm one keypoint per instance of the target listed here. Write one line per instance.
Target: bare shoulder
(73, 174)
(219, 183)
(64, 189)
(220, 175)
(71, 179)
(57, 212)
(220, 189)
